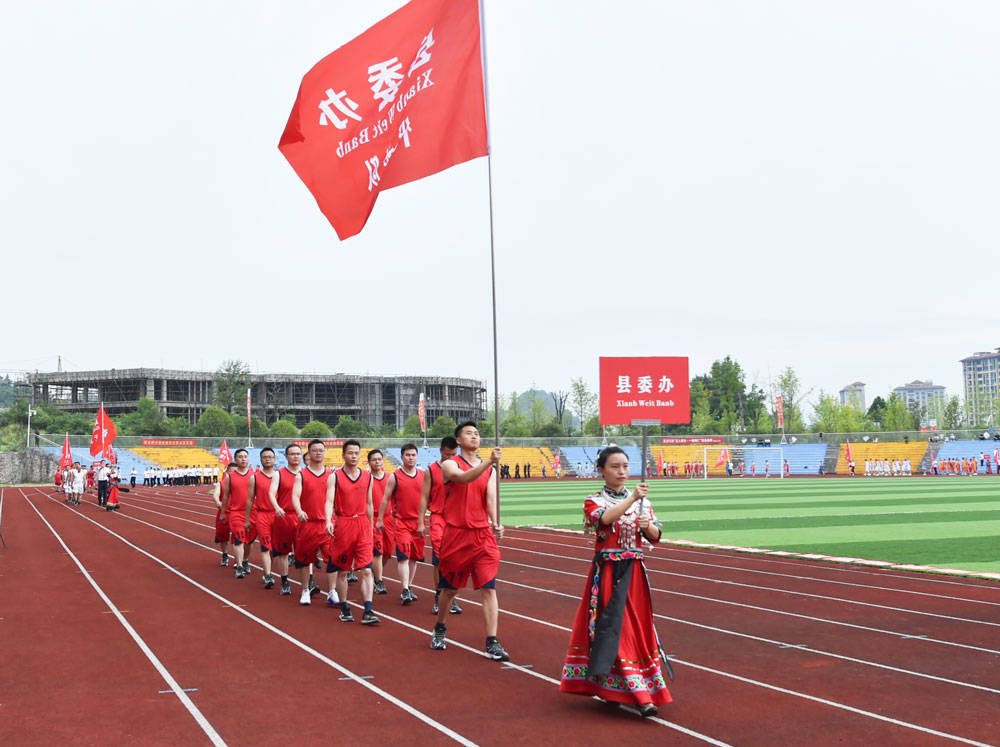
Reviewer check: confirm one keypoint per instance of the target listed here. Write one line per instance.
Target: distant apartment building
(854, 395)
(923, 394)
(980, 374)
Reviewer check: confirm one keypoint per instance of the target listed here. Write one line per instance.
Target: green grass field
(945, 522)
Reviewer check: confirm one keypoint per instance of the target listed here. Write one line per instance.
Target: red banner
(422, 413)
(402, 101)
(104, 432)
(66, 460)
(304, 442)
(677, 441)
(169, 442)
(644, 389)
(780, 412)
(225, 457)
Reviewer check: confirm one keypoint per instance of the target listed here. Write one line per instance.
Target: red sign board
(654, 388)
(169, 442)
(674, 441)
(304, 443)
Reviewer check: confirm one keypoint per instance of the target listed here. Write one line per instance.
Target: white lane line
(789, 575)
(923, 578)
(780, 591)
(744, 605)
(277, 631)
(769, 686)
(206, 727)
(382, 615)
(780, 644)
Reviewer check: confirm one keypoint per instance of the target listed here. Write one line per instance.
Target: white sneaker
(305, 599)
(333, 598)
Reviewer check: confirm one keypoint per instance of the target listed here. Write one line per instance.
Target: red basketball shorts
(222, 533)
(310, 538)
(352, 543)
(239, 530)
(283, 533)
(437, 532)
(385, 541)
(469, 553)
(263, 522)
(409, 545)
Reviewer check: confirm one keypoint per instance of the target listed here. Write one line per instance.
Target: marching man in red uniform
(349, 496)
(223, 537)
(285, 520)
(384, 538)
(614, 652)
(403, 494)
(469, 546)
(432, 497)
(309, 498)
(235, 495)
(260, 512)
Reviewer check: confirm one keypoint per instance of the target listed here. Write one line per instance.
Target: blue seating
(968, 449)
(803, 459)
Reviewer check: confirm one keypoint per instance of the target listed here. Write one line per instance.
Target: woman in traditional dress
(614, 651)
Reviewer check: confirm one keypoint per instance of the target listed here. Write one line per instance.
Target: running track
(123, 627)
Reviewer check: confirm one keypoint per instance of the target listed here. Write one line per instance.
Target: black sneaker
(346, 616)
(380, 587)
(368, 618)
(313, 589)
(406, 596)
(437, 640)
(225, 560)
(413, 596)
(286, 588)
(246, 567)
(648, 710)
(495, 651)
(455, 609)
(437, 596)
(434, 609)
(240, 573)
(352, 577)
(268, 581)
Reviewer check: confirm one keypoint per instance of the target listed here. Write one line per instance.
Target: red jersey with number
(313, 498)
(262, 486)
(351, 497)
(239, 489)
(438, 488)
(465, 505)
(286, 481)
(378, 493)
(406, 496)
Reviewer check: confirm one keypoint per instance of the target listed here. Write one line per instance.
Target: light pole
(27, 443)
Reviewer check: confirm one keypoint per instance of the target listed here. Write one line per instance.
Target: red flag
(723, 457)
(109, 454)
(224, 456)
(402, 101)
(422, 412)
(66, 460)
(780, 412)
(847, 453)
(104, 432)
(659, 463)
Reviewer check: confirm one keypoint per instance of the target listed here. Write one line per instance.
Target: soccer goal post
(747, 461)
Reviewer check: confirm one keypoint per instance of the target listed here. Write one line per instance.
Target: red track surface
(766, 651)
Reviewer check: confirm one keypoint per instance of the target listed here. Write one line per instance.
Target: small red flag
(402, 101)
(422, 413)
(723, 457)
(659, 463)
(847, 452)
(104, 432)
(109, 454)
(224, 456)
(66, 460)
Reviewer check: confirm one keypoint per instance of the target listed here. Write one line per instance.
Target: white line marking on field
(206, 727)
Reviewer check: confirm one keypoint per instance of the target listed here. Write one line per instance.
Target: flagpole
(493, 262)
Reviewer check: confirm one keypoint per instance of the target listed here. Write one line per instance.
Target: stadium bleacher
(969, 449)
(890, 450)
(127, 459)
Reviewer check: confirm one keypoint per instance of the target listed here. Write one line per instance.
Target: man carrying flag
(103, 435)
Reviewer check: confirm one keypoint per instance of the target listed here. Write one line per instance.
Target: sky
(810, 185)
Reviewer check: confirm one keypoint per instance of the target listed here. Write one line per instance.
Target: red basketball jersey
(465, 505)
(239, 488)
(262, 485)
(406, 496)
(351, 498)
(438, 488)
(286, 481)
(313, 498)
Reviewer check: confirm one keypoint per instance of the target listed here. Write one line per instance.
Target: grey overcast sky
(793, 184)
